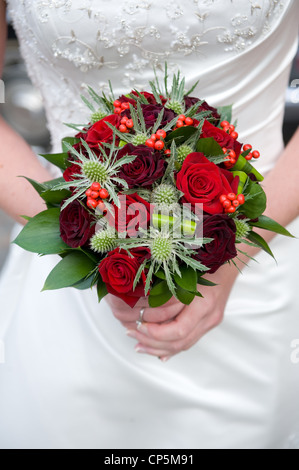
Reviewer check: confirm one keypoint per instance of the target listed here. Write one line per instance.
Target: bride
(72, 377)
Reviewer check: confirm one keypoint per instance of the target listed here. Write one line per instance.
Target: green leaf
(158, 300)
(184, 296)
(205, 282)
(84, 284)
(260, 242)
(160, 274)
(42, 234)
(68, 140)
(55, 197)
(101, 289)
(179, 136)
(73, 268)
(209, 147)
(58, 159)
(266, 223)
(188, 281)
(159, 288)
(225, 113)
(256, 204)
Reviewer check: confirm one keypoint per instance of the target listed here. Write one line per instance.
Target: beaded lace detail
(70, 43)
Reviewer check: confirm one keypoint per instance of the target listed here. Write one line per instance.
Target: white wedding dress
(71, 378)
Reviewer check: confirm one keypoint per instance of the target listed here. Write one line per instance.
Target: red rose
(100, 132)
(223, 248)
(118, 270)
(148, 166)
(69, 173)
(190, 101)
(221, 137)
(151, 112)
(203, 182)
(76, 225)
(133, 213)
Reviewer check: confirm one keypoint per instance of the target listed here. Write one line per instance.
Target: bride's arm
(194, 321)
(17, 197)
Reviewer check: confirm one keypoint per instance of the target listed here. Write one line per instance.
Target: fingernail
(164, 359)
(140, 350)
(141, 327)
(131, 333)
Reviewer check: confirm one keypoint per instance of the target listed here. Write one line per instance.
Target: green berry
(95, 172)
(165, 194)
(103, 241)
(183, 152)
(161, 248)
(176, 106)
(243, 229)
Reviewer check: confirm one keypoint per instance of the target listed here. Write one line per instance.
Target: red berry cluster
(156, 141)
(183, 121)
(255, 154)
(120, 107)
(126, 124)
(231, 202)
(95, 195)
(229, 129)
(231, 158)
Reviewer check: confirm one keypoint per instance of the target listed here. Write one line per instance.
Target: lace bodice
(237, 49)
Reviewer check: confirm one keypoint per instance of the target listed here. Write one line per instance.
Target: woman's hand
(175, 327)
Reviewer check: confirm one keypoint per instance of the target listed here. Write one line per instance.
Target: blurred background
(23, 110)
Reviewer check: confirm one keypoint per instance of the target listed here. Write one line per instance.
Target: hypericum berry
(230, 210)
(117, 104)
(159, 145)
(104, 194)
(88, 193)
(247, 147)
(150, 143)
(95, 186)
(125, 106)
(224, 150)
(124, 120)
(226, 204)
(94, 194)
(117, 110)
(130, 124)
(231, 196)
(161, 248)
(92, 203)
(167, 153)
(223, 198)
(123, 128)
(241, 199)
(249, 157)
(95, 171)
(182, 117)
(189, 121)
(234, 135)
(226, 129)
(180, 123)
(256, 154)
(232, 154)
(235, 203)
(103, 241)
(154, 137)
(183, 152)
(165, 194)
(231, 127)
(101, 207)
(161, 134)
(224, 124)
(243, 229)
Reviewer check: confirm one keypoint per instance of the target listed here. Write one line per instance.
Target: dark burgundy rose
(223, 248)
(148, 96)
(69, 173)
(223, 139)
(101, 132)
(118, 270)
(203, 182)
(76, 225)
(148, 167)
(190, 101)
(134, 212)
(151, 113)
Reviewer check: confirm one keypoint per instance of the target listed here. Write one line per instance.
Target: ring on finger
(140, 319)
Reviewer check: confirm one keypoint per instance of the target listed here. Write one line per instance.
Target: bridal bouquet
(156, 191)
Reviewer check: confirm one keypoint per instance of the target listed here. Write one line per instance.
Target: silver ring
(140, 319)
